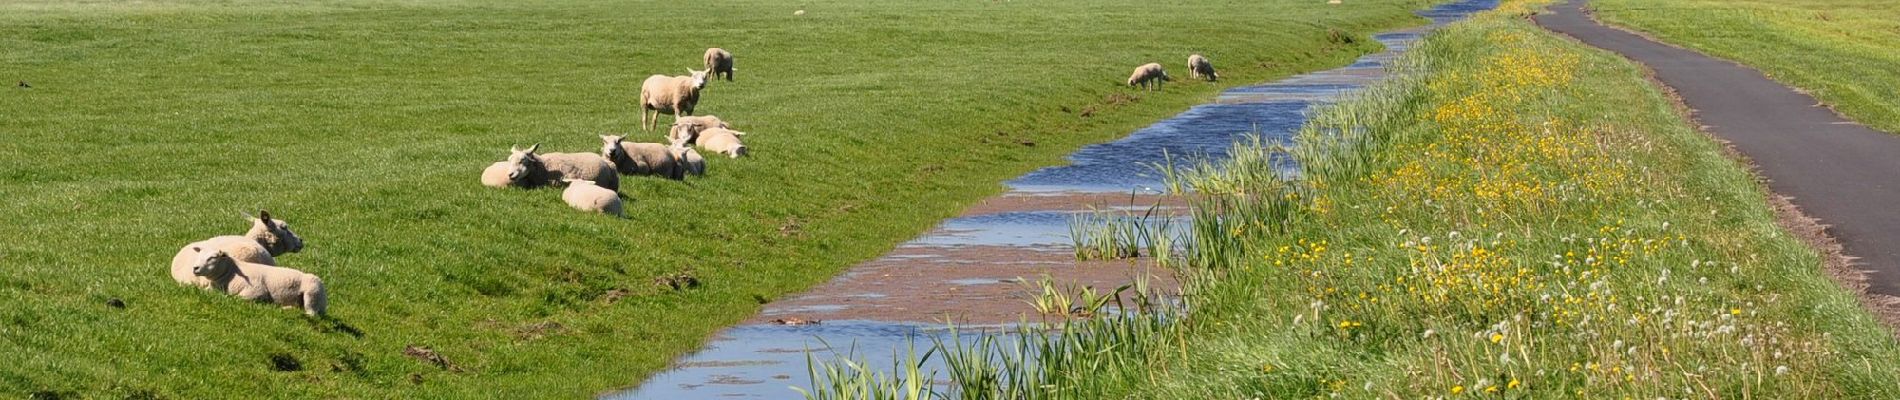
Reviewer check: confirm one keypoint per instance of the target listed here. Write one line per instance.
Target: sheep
(686, 129)
(640, 158)
(496, 175)
(530, 170)
(1198, 67)
(259, 282)
(584, 195)
(267, 239)
(719, 61)
(689, 160)
(1149, 76)
(676, 95)
(723, 141)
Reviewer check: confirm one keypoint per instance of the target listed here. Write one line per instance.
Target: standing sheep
(267, 239)
(1198, 67)
(723, 141)
(675, 95)
(259, 282)
(586, 196)
(686, 129)
(689, 160)
(719, 61)
(530, 170)
(640, 158)
(1149, 76)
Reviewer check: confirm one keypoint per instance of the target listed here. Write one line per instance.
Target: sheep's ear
(514, 148)
(264, 215)
(536, 146)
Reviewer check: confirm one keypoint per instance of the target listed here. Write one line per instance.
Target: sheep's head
(212, 263)
(523, 164)
(610, 147)
(699, 78)
(274, 234)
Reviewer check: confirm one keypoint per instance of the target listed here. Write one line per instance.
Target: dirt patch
(428, 355)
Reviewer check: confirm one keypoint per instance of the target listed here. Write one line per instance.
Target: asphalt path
(1840, 172)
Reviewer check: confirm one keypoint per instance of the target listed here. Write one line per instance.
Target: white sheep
(1199, 67)
(584, 195)
(689, 160)
(259, 282)
(686, 130)
(1149, 76)
(719, 61)
(640, 158)
(496, 175)
(530, 170)
(267, 239)
(723, 141)
(675, 95)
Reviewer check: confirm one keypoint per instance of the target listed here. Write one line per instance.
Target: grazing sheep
(1198, 67)
(259, 282)
(586, 196)
(689, 160)
(675, 95)
(267, 239)
(496, 175)
(1149, 76)
(530, 170)
(686, 129)
(722, 141)
(640, 158)
(719, 61)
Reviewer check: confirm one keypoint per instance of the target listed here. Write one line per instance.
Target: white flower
(1781, 370)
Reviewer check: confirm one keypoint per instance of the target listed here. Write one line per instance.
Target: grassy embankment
(1842, 52)
(1521, 217)
(153, 124)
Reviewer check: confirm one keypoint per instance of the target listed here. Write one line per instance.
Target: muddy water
(970, 269)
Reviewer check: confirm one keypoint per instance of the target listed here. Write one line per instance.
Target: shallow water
(975, 262)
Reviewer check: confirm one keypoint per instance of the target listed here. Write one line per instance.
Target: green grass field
(1843, 52)
(365, 124)
(1518, 217)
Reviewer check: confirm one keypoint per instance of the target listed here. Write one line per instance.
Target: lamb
(496, 175)
(675, 95)
(267, 239)
(586, 196)
(640, 158)
(723, 141)
(530, 170)
(719, 61)
(1149, 76)
(1198, 67)
(686, 130)
(259, 282)
(689, 160)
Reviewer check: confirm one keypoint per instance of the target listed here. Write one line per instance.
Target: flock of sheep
(246, 265)
(1150, 76)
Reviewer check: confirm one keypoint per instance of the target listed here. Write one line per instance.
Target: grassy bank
(1519, 217)
(153, 124)
(1843, 52)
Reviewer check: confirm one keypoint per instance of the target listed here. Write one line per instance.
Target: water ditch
(970, 269)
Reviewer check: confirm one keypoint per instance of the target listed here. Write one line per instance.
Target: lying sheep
(259, 282)
(723, 141)
(530, 170)
(676, 95)
(584, 195)
(640, 158)
(496, 175)
(1198, 67)
(267, 239)
(1149, 76)
(686, 130)
(719, 62)
(689, 160)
